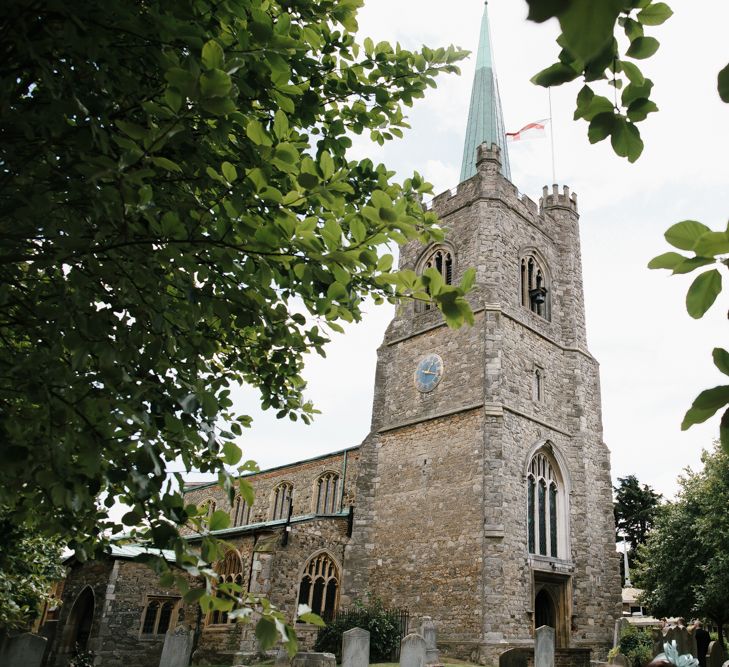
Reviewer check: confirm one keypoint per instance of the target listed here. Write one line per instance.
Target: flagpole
(551, 133)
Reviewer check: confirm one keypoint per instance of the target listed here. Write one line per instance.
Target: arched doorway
(79, 623)
(544, 610)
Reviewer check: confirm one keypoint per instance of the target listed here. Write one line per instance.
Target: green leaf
(215, 83)
(632, 71)
(280, 124)
(588, 26)
(164, 163)
(541, 10)
(326, 164)
(601, 126)
(723, 84)
(655, 14)
(219, 520)
(712, 243)
(668, 260)
(691, 264)
(712, 399)
(721, 359)
(256, 133)
(724, 432)
(212, 55)
(313, 619)
(229, 171)
(640, 108)
(702, 293)
(231, 453)
(307, 180)
(696, 416)
(642, 47)
(554, 75)
(626, 139)
(266, 633)
(683, 235)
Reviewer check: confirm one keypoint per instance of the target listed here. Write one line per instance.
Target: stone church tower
(484, 496)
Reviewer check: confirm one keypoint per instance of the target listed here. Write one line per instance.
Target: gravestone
(428, 633)
(544, 647)
(282, 658)
(716, 654)
(355, 648)
(177, 648)
(514, 657)
(412, 651)
(620, 625)
(685, 640)
(620, 660)
(24, 650)
(311, 659)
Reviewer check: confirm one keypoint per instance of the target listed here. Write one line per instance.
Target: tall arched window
(240, 512)
(440, 259)
(230, 571)
(546, 508)
(327, 493)
(283, 496)
(319, 587)
(534, 288)
(158, 615)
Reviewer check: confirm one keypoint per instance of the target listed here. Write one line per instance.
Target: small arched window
(538, 385)
(207, 507)
(240, 512)
(440, 259)
(534, 288)
(283, 496)
(229, 571)
(319, 587)
(158, 614)
(546, 507)
(327, 493)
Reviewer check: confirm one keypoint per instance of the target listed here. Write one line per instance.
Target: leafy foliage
(684, 565)
(382, 624)
(635, 510)
(179, 214)
(30, 562)
(636, 644)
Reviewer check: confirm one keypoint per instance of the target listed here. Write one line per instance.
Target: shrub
(382, 624)
(635, 644)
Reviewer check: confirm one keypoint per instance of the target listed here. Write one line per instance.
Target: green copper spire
(485, 119)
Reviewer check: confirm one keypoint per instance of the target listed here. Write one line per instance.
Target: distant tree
(684, 564)
(635, 510)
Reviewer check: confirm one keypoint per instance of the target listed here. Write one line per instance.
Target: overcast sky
(653, 357)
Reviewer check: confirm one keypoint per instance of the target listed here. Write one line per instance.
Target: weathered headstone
(412, 651)
(24, 650)
(311, 659)
(282, 658)
(620, 661)
(514, 657)
(620, 625)
(177, 648)
(428, 633)
(355, 648)
(685, 640)
(716, 654)
(544, 647)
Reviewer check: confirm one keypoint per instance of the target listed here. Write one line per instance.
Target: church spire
(485, 119)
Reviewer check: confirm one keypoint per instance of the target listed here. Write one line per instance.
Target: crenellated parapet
(555, 199)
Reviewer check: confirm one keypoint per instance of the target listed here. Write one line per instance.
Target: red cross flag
(535, 130)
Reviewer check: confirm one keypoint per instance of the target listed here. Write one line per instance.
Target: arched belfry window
(327, 493)
(229, 571)
(319, 587)
(441, 259)
(207, 507)
(283, 496)
(240, 512)
(546, 508)
(534, 286)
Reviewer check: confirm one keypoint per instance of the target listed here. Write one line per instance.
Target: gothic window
(545, 508)
(319, 586)
(282, 498)
(538, 385)
(241, 512)
(158, 614)
(229, 571)
(440, 259)
(327, 493)
(534, 288)
(207, 507)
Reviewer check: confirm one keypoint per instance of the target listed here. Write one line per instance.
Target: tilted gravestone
(24, 650)
(177, 648)
(310, 659)
(716, 654)
(544, 647)
(428, 633)
(355, 648)
(412, 651)
(514, 657)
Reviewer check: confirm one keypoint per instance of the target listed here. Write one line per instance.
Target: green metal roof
(485, 118)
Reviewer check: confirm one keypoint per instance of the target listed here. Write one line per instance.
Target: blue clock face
(428, 373)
